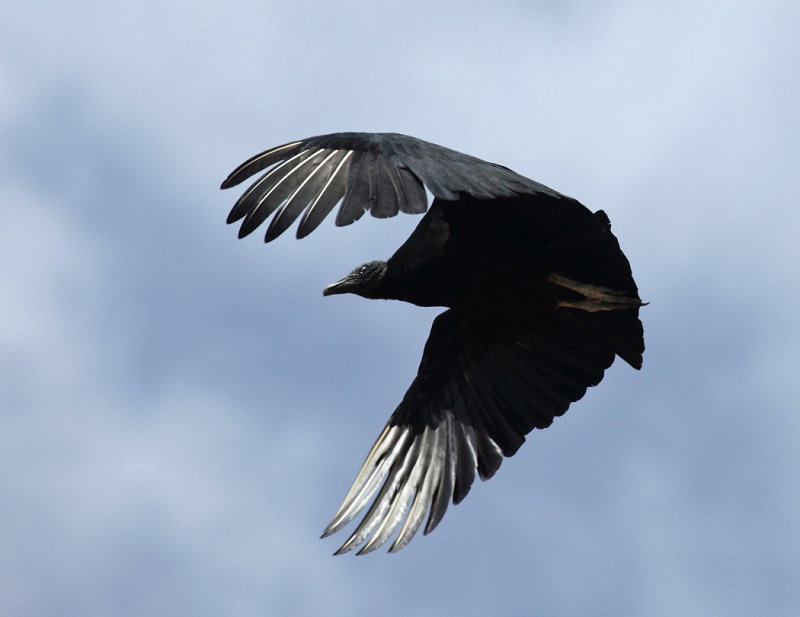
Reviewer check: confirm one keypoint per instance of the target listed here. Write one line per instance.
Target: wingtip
(348, 546)
(273, 231)
(342, 551)
(399, 544)
(334, 526)
(234, 178)
(368, 548)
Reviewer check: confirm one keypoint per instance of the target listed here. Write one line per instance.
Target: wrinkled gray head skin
(361, 281)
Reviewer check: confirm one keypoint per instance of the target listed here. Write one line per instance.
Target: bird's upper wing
(482, 385)
(380, 172)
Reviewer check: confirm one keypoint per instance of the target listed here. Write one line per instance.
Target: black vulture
(539, 299)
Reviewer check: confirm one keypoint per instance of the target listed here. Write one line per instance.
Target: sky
(181, 412)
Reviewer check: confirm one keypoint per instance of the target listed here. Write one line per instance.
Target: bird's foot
(596, 297)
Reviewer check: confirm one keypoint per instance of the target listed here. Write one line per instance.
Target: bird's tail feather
(598, 287)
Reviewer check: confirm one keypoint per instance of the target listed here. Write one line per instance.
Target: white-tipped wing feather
(471, 404)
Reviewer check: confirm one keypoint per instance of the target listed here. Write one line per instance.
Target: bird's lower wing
(483, 384)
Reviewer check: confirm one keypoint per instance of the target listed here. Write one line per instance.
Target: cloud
(182, 412)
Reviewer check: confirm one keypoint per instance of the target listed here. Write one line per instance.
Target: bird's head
(362, 281)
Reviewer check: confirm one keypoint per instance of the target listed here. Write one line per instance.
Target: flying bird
(539, 300)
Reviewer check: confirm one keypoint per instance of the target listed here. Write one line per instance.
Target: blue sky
(182, 412)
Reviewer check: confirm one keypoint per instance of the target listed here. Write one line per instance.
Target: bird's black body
(540, 300)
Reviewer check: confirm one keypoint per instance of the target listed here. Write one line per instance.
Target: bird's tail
(597, 286)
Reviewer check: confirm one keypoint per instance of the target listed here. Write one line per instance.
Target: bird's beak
(339, 287)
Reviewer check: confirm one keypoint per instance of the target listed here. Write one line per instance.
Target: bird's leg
(597, 297)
